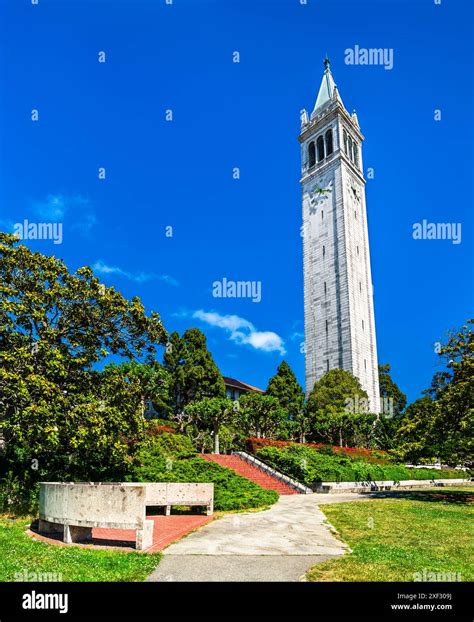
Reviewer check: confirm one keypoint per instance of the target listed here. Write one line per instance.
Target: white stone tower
(338, 300)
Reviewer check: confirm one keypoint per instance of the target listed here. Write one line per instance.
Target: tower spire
(326, 90)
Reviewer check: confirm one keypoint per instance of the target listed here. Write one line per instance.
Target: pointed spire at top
(355, 118)
(326, 90)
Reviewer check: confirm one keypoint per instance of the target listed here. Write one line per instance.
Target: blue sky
(179, 174)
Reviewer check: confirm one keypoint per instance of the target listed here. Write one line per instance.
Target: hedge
(374, 456)
(308, 466)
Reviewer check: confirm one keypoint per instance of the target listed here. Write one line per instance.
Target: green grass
(394, 538)
(21, 554)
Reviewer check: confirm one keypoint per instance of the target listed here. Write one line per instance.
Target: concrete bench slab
(73, 509)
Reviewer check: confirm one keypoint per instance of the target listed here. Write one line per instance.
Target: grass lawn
(21, 554)
(393, 538)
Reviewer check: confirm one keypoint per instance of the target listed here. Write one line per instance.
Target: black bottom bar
(227, 601)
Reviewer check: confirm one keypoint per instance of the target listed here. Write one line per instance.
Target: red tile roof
(237, 384)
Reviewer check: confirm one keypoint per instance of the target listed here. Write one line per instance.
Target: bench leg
(144, 538)
(210, 509)
(76, 534)
(168, 510)
(45, 526)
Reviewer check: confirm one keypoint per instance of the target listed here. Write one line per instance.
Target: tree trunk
(216, 440)
(340, 437)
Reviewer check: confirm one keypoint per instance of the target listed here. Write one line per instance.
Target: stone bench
(176, 493)
(373, 486)
(74, 509)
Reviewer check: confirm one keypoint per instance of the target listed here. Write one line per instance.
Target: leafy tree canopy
(389, 390)
(55, 326)
(260, 415)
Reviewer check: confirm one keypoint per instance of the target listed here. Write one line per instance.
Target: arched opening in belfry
(320, 148)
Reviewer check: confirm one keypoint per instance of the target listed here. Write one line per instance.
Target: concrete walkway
(279, 544)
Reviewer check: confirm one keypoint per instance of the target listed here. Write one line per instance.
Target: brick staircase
(250, 472)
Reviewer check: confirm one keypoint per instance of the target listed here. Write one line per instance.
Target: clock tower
(338, 298)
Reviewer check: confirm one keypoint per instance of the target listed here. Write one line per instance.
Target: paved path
(278, 544)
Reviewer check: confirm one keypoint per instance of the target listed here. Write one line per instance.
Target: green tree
(194, 374)
(211, 413)
(260, 415)
(56, 412)
(284, 386)
(154, 382)
(334, 398)
(442, 423)
(414, 438)
(390, 391)
(453, 425)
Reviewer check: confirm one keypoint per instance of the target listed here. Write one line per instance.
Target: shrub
(171, 458)
(375, 456)
(17, 498)
(309, 465)
(159, 426)
(167, 445)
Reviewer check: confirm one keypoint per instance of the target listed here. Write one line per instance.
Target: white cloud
(296, 335)
(243, 332)
(169, 280)
(230, 322)
(139, 277)
(76, 209)
(267, 341)
(53, 208)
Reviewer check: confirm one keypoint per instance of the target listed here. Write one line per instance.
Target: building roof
(237, 384)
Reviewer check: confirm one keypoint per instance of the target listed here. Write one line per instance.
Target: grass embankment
(34, 560)
(392, 539)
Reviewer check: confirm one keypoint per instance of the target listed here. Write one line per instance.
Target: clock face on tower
(354, 191)
(319, 193)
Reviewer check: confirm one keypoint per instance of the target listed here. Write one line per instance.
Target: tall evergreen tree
(287, 390)
(194, 372)
(284, 386)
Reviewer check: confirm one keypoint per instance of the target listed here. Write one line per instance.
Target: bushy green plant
(168, 458)
(168, 445)
(309, 465)
(16, 498)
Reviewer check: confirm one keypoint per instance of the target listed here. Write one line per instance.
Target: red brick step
(250, 472)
